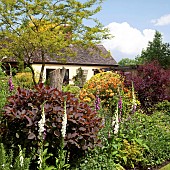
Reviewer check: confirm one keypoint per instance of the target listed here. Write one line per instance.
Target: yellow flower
(87, 99)
(111, 94)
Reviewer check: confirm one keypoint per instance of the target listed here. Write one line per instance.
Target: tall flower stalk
(115, 123)
(64, 122)
(41, 131)
(134, 103)
(120, 107)
(97, 101)
(61, 160)
(10, 83)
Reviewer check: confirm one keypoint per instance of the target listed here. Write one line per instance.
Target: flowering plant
(108, 87)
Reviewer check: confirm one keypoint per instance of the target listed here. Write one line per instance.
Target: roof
(90, 56)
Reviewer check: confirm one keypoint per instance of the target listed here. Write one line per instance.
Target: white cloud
(127, 41)
(163, 20)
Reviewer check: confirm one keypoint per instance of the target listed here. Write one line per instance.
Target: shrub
(23, 112)
(150, 83)
(123, 151)
(152, 132)
(163, 106)
(72, 89)
(98, 159)
(109, 87)
(4, 91)
(24, 80)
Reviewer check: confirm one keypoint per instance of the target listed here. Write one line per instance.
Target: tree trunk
(42, 67)
(57, 77)
(33, 73)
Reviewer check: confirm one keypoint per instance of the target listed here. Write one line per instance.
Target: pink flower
(97, 103)
(11, 86)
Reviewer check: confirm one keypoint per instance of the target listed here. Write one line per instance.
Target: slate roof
(88, 56)
(83, 56)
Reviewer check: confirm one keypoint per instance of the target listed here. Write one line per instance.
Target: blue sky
(133, 24)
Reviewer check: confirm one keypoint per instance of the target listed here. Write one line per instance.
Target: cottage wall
(72, 70)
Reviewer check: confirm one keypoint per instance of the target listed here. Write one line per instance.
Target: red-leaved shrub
(24, 109)
(151, 84)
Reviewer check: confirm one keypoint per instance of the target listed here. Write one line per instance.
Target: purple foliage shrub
(23, 112)
(151, 84)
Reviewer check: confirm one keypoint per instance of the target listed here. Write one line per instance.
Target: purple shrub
(23, 112)
(150, 83)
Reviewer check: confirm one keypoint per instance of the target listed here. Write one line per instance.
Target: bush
(126, 152)
(109, 88)
(123, 151)
(150, 83)
(163, 106)
(4, 91)
(23, 112)
(152, 131)
(24, 80)
(98, 159)
(72, 89)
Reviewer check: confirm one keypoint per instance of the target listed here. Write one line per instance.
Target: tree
(157, 50)
(127, 62)
(32, 29)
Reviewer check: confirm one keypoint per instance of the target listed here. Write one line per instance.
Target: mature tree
(39, 28)
(127, 62)
(156, 50)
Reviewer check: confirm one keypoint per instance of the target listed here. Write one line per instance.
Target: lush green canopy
(156, 50)
(35, 28)
(127, 62)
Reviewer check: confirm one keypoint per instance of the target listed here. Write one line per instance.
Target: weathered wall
(72, 70)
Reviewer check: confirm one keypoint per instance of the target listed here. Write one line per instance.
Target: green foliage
(130, 154)
(4, 91)
(163, 106)
(72, 89)
(127, 62)
(142, 141)
(109, 87)
(152, 131)
(24, 80)
(39, 29)
(127, 152)
(9, 162)
(157, 50)
(24, 110)
(98, 159)
(2, 74)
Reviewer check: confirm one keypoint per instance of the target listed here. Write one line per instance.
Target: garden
(116, 121)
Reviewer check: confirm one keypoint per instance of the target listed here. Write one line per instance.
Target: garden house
(89, 60)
